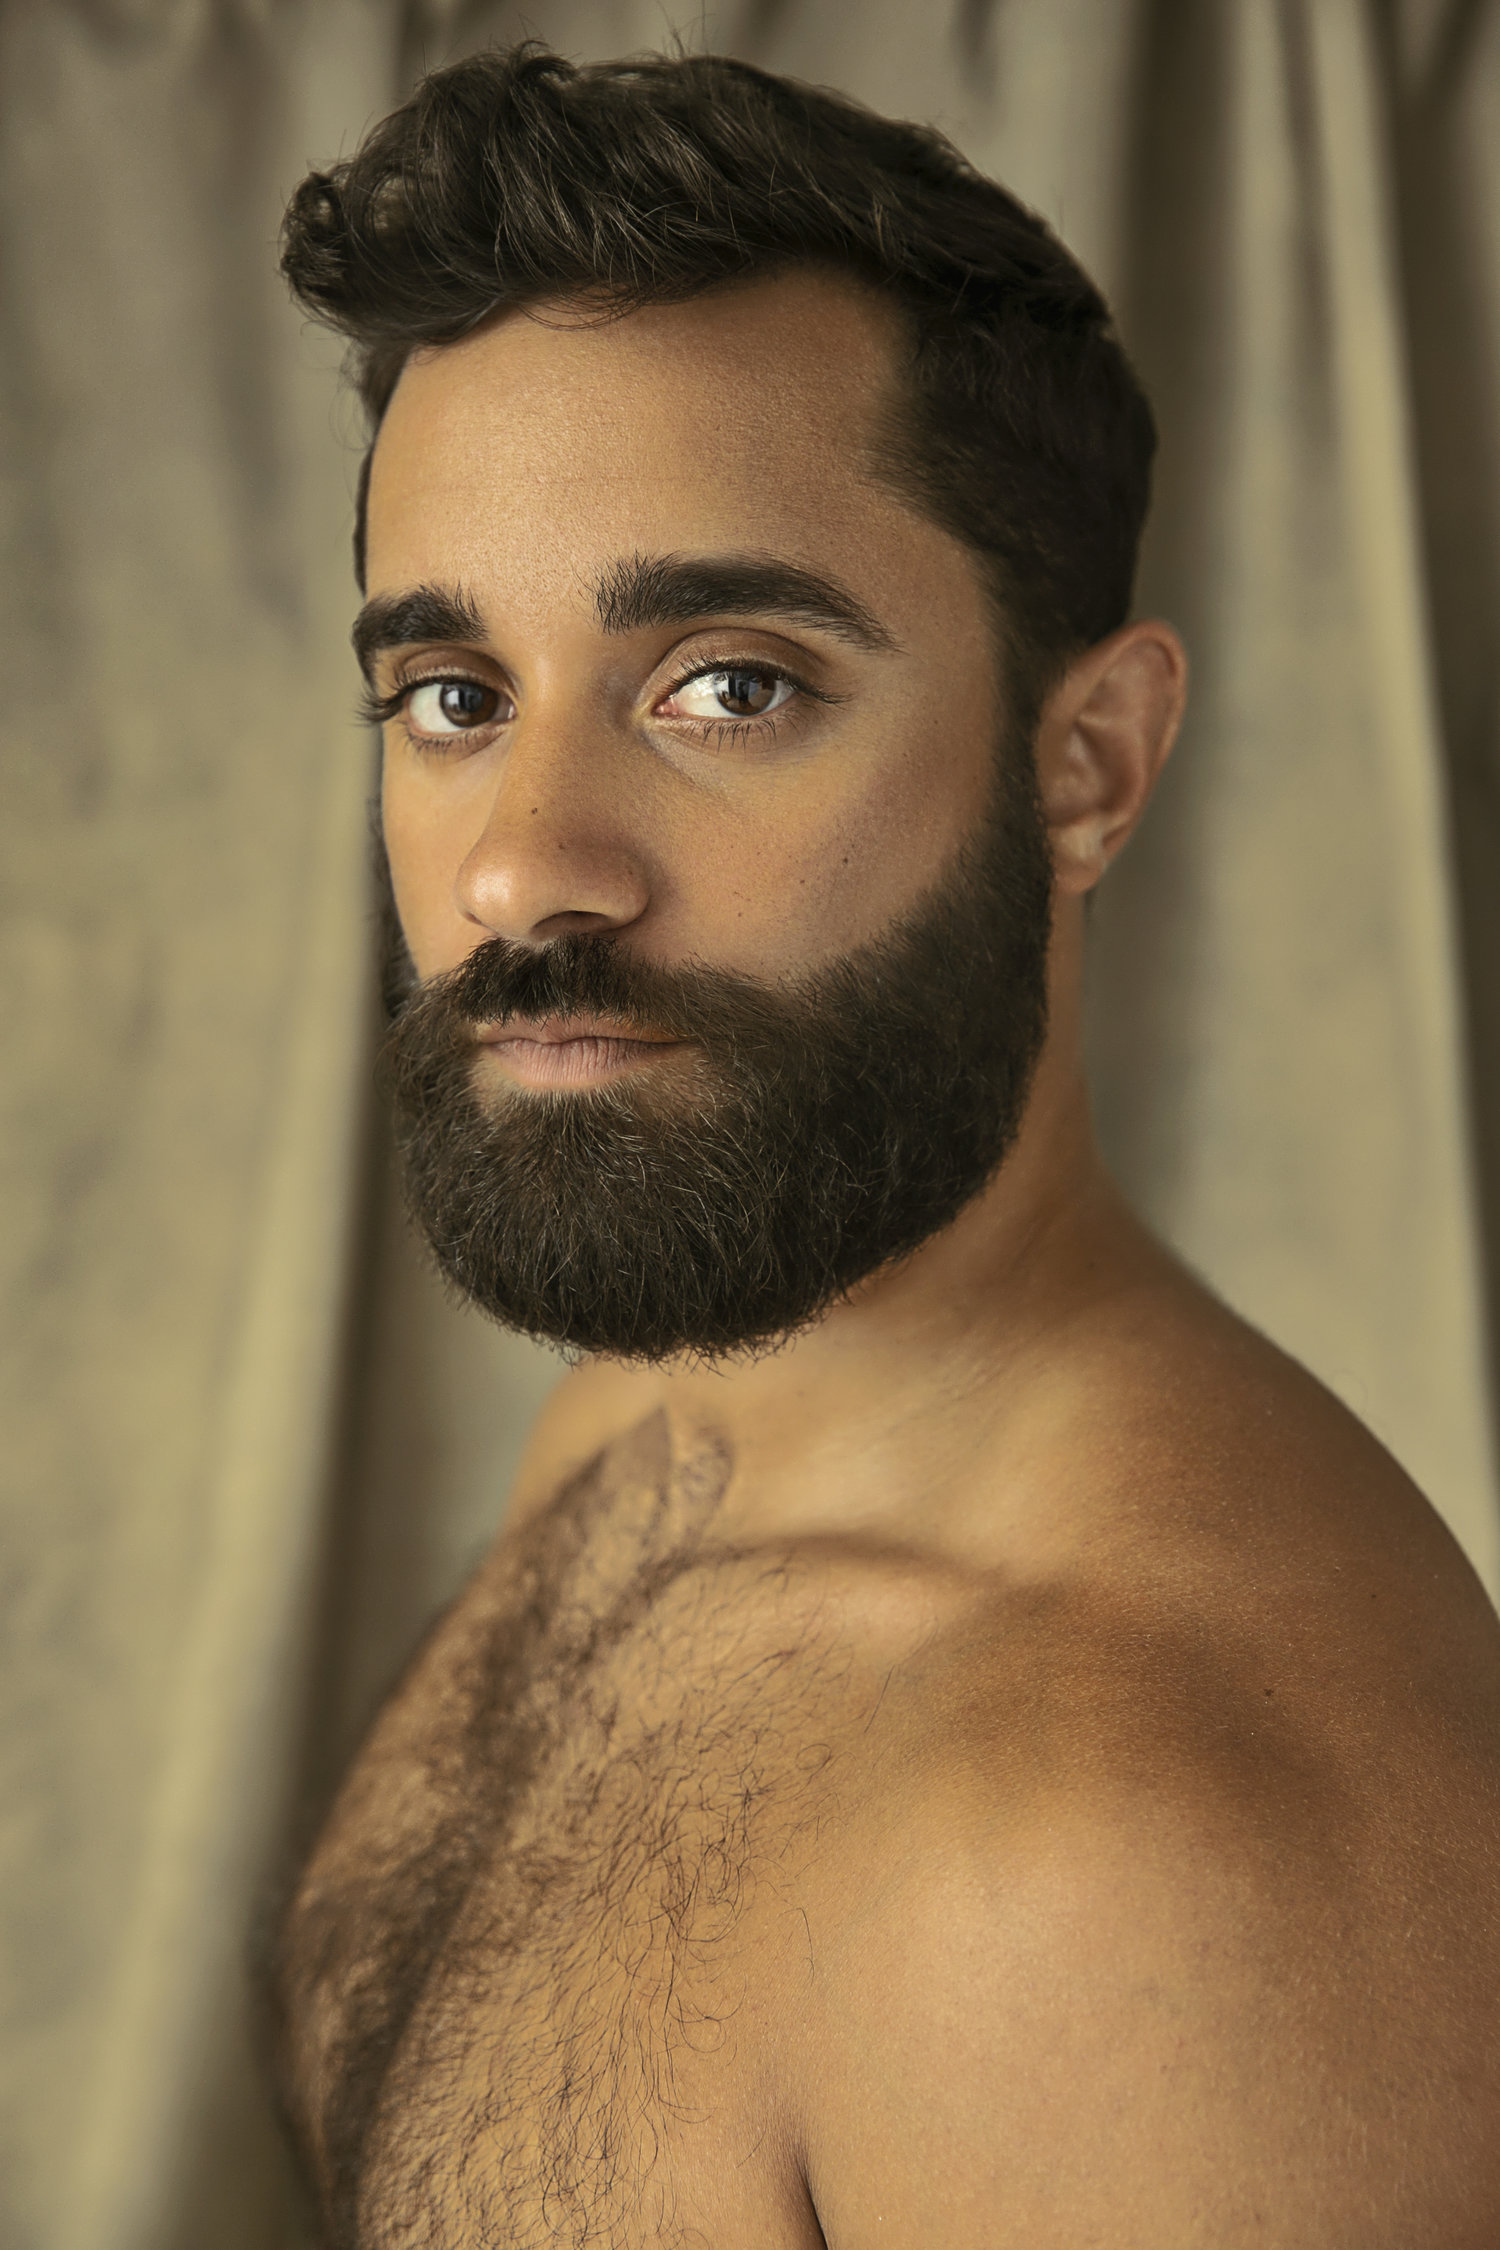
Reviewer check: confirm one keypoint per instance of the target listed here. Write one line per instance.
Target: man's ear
(1104, 735)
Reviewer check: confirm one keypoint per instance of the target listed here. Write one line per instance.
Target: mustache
(502, 982)
(732, 1016)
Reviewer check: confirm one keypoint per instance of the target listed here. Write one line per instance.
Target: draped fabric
(248, 1444)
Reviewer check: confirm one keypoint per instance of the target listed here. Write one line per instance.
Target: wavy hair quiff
(516, 178)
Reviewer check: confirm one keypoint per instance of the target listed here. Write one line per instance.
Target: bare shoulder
(1137, 1940)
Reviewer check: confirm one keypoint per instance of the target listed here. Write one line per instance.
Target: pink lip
(572, 1050)
(557, 1031)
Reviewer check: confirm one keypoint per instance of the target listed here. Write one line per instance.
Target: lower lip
(577, 1062)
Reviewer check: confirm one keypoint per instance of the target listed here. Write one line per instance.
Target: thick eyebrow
(651, 590)
(426, 613)
(637, 593)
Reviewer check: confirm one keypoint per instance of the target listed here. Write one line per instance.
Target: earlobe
(1104, 737)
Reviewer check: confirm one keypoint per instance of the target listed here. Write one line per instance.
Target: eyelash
(378, 710)
(731, 731)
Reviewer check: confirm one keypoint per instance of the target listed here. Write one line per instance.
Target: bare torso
(577, 1955)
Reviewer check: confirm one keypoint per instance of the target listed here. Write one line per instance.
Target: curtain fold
(1278, 1000)
(249, 1443)
(186, 982)
(1442, 75)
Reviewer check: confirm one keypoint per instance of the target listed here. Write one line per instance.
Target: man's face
(696, 771)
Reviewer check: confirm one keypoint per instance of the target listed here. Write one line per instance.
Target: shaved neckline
(638, 593)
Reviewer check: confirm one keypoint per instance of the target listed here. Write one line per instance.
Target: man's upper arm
(1125, 2026)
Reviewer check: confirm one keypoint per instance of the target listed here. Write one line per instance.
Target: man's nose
(554, 856)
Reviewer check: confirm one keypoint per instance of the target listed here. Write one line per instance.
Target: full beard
(819, 1129)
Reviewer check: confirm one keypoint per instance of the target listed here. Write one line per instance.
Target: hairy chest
(527, 1975)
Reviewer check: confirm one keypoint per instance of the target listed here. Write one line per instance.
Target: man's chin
(613, 1222)
(638, 1322)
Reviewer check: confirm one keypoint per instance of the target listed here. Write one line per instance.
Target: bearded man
(959, 1741)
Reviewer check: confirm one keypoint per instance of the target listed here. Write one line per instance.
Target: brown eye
(449, 707)
(737, 691)
(747, 694)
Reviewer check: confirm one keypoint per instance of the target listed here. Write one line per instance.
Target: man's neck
(862, 1422)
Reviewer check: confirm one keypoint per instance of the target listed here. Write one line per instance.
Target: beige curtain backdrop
(247, 1445)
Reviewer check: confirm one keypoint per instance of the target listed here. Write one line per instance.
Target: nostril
(575, 924)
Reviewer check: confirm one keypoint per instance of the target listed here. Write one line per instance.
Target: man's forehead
(530, 462)
(788, 371)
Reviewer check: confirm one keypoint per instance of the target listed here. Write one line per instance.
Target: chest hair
(511, 1966)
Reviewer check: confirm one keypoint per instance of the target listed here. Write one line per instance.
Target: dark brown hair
(515, 178)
